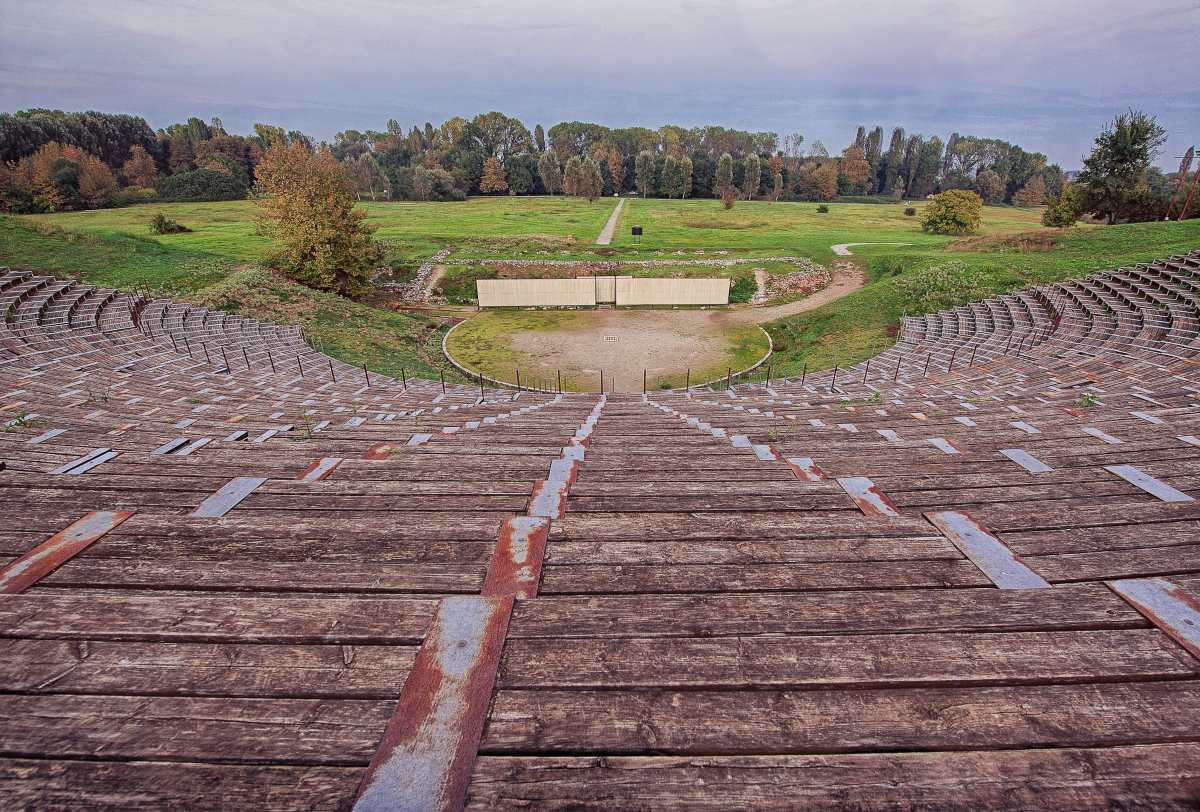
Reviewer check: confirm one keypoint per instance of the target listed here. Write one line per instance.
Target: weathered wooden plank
(750, 552)
(58, 550)
(838, 721)
(149, 785)
(1078, 606)
(789, 525)
(626, 578)
(203, 669)
(294, 731)
(265, 574)
(861, 661)
(120, 616)
(1162, 777)
(1128, 563)
(867, 496)
(428, 749)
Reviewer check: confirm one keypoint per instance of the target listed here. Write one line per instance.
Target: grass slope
(385, 341)
(857, 326)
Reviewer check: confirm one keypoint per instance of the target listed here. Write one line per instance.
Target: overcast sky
(1046, 74)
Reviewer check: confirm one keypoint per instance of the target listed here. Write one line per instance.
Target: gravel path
(606, 235)
(842, 249)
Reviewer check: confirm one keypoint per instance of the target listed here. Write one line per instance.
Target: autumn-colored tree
(776, 186)
(308, 208)
(775, 162)
(1033, 193)
(616, 169)
(66, 177)
(669, 184)
(140, 169)
(723, 180)
(753, 176)
(643, 167)
(551, 174)
(684, 177)
(854, 169)
(181, 154)
(727, 197)
(825, 181)
(494, 178)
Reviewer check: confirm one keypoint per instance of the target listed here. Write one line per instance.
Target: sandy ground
(624, 342)
(847, 278)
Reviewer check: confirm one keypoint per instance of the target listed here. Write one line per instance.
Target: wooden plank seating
(237, 574)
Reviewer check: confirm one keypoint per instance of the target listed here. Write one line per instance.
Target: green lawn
(857, 326)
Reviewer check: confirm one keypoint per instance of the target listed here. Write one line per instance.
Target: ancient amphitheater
(238, 574)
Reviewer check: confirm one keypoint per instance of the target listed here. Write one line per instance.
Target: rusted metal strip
(1028, 428)
(1026, 460)
(549, 499)
(355, 422)
(427, 753)
(93, 463)
(1149, 418)
(563, 470)
(574, 452)
(740, 441)
(1190, 439)
(86, 458)
(944, 445)
(379, 451)
(516, 565)
(48, 435)
(193, 446)
(804, 469)
(1167, 605)
(866, 494)
(266, 435)
(966, 421)
(418, 439)
(320, 469)
(227, 498)
(1101, 435)
(1004, 567)
(764, 452)
(235, 436)
(1155, 487)
(889, 435)
(58, 550)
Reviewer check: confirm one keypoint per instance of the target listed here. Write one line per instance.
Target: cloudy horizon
(818, 68)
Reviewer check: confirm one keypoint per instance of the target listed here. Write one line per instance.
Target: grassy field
(218, 261)
(857, 326)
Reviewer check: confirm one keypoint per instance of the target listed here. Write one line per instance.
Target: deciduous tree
(616, 169)
(494, 180)
(958, 211)
(308, 208)
(140, 169)
(1033, 193)
(723, 180)
(753, 176)
(1114, 174)
(550, 172)
(643, 167)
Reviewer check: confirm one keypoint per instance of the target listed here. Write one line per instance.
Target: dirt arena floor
(621, 343)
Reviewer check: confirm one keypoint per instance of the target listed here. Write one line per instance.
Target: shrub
(201, 185)
(822, 209)
(161, 224)
(132, 195)
(910, 212)
(743, 289)
(1063, 211)
(727, 198)
(939, 287)
(958, 211)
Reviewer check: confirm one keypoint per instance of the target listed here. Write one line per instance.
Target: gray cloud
(1044, 74)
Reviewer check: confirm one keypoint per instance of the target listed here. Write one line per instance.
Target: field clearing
(620, 343)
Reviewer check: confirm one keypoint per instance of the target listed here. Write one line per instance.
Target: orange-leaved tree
(494, 177)
(140, 169)
(308, 208)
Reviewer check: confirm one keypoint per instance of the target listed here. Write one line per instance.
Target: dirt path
(842, 249)
(606, 235)
(760, 284)
(847, 278)
(438, 272)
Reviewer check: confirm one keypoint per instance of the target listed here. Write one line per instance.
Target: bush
(161, 224)
(958, 211)
(201, 185)
(1063, 211)
(939, 287)
(743, 289)
(910, 212)
(822, 209)
(132, 195)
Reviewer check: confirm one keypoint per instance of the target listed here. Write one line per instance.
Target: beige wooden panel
(644, 291)
(580, 292)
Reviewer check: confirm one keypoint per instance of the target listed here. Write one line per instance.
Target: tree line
(52, 160)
